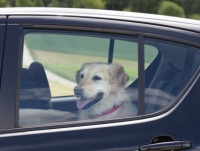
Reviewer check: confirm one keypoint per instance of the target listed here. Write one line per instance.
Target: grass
(125, 47)
(67, 64)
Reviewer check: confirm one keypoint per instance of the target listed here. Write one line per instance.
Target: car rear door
(176, 125)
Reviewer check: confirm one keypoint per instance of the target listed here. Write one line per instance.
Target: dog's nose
(78, 90)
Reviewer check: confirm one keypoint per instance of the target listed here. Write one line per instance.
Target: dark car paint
(165, 21)
(179, 121)
(2, 39)
(124, 137)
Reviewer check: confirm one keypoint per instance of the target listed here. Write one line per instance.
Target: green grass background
(64, 54)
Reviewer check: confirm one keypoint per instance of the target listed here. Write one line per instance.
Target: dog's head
(96, 81)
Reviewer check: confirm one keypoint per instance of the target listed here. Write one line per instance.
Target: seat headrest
(43, 90)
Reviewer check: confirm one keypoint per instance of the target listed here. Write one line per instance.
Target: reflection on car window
(169, 73)
(61, 64)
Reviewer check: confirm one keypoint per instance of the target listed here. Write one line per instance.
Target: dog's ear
(118, 77)
(79, 72)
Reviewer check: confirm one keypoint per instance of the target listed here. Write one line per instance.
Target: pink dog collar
(110, 111)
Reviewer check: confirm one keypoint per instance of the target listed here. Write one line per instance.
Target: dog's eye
(96, 78)
(82, 76)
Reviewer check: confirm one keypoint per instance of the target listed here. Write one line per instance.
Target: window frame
(141, 75)
(5, 49)
(3, 20)
(185, 37)
(2, 39)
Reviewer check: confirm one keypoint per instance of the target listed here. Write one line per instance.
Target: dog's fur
(111, 84)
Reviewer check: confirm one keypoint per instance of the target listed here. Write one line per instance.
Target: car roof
(152, 19)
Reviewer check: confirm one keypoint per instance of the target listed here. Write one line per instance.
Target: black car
(41, 50)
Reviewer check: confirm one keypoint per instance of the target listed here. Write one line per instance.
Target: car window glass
(70, 76)
(150, 53)
(168, 73)
(61, 55)
(66, 76)
(126, 54)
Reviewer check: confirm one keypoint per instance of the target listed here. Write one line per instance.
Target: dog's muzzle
(85, 103)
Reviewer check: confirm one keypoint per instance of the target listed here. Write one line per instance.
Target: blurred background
(180, 8)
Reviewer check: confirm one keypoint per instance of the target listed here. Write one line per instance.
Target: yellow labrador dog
(101, 91)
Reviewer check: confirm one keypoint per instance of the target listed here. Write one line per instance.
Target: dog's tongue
(81, 103)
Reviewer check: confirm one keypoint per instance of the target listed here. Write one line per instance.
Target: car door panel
(3, 28)
(119, 134)
(116, 136)
(3, 20)
(2, 35)
(124, 137)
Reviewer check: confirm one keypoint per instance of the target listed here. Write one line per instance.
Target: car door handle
(164, 146)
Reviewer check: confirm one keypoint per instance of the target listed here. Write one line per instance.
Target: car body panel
(102, 24)
(117, 136)
(3, 21)
(181, 23)
(9, 73)
(120, 134)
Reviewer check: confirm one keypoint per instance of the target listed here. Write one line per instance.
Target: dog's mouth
(85, 103)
